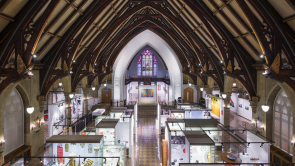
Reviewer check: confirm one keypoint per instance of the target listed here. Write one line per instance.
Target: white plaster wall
(147, 38)
(241, 111)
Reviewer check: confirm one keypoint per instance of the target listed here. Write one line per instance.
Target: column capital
(86, 90)
(208, 90)
(228, 95)
(67, 96)
(253, 105)
(42, 105)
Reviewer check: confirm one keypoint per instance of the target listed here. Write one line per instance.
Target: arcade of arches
(126, 82)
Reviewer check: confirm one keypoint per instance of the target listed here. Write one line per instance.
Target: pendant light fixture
(106, 82)
(224, 95)
(265, 107)
(30, 109)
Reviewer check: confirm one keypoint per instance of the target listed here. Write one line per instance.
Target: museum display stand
(245, 146)
(114, 151)
(106, 127)
(197, 113)
(202, 147)
(99, 118)
(73, 146)
(117, 113)
(187, 141)
(165, 114)
(177, 114)
(98, 112)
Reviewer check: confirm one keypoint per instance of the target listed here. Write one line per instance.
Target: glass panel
(277, 129)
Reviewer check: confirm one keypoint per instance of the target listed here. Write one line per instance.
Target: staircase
(147, 111)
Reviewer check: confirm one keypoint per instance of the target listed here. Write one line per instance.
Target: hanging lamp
(106, 82)
(30, 109)
(265, 107)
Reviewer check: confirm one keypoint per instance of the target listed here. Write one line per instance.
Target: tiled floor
(147, 142)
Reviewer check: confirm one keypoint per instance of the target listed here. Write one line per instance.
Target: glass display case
(99, 118)
(114, 151)
(108, 133)
(202, 154)
(106, 127)
(177, 114)
(72, 146)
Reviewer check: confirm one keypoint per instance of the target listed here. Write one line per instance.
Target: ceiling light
(95, 64)
(261, 56)
(224, 96)
(199, 64)
(71, 95)
(74, 61)
(202, 89)
(234, 84)
(60, 84)
(93, 88)
(104, 84)
(30, 110)
(265, 108)
(221, 61)
(34, 56)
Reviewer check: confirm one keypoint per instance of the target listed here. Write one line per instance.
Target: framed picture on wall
(136, 87)
(246, 108)
(215, 137)
(240, 105)
(147, 93)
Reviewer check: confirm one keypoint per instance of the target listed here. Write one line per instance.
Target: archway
(126, 55)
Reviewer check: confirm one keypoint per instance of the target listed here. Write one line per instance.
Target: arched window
(147, 64)
(283, 122)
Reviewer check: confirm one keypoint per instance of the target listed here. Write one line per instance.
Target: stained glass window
(147, 64)
(139, 67)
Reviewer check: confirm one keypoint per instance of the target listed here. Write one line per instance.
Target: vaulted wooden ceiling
(211, 38)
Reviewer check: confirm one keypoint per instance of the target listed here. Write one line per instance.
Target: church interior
(147, 82)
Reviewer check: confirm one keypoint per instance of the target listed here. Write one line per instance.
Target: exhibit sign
(147, 93)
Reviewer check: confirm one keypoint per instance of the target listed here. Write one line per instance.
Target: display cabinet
(114, 151)
(73, 146)
(106, 127)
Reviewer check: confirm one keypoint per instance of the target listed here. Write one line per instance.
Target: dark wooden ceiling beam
(59, 29)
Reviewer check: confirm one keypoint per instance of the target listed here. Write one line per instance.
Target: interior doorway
(106, 95)
(188, 94)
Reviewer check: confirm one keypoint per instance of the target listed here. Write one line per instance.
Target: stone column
(42, 105)
(226, 109)
(68, 101)
(208, 91)
(86, 93)
(199, 92)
